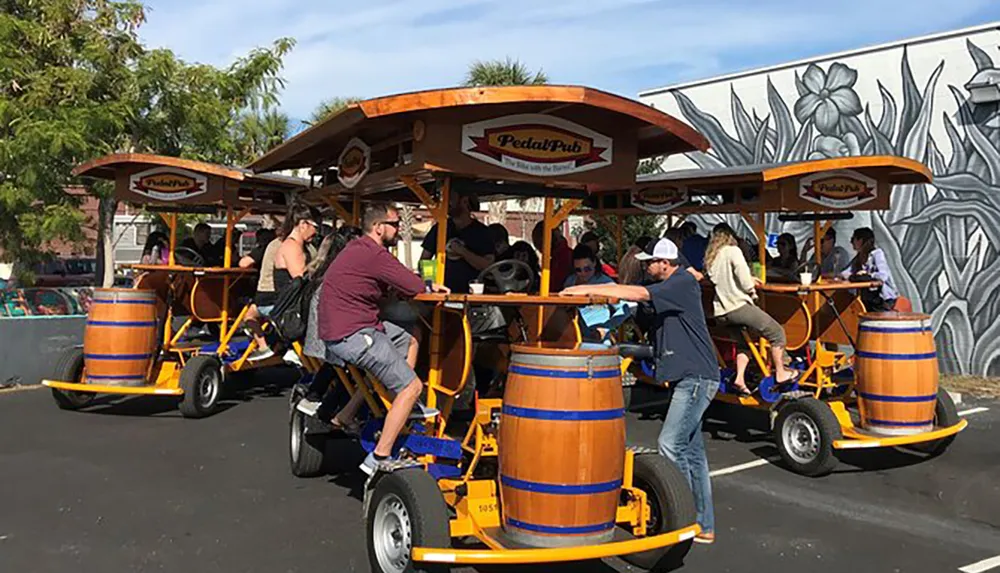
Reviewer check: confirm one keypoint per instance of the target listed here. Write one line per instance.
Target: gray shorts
(752, 317)
(383, 354)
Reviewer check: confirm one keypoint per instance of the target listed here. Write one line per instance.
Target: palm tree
(506, 72)
(258, 132)
(330, 107)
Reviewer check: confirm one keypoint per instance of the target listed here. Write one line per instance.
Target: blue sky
(379, 47)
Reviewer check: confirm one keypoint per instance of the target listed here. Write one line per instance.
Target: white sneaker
(261, 355)
(370, 465)
(307, 407)
(292, 358)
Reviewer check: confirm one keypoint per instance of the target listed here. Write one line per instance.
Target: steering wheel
(511, 275)
(191, 257)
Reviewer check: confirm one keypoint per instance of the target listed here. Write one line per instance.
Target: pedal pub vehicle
(130, 344)
(543, 474)
(868, 380)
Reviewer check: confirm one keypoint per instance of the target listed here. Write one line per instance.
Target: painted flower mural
(826, 97)
(943, 240)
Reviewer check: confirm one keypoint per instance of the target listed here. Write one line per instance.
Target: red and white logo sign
(659, 199)
(538, 145)
(838, 189)
(354, 162)
(168, 183)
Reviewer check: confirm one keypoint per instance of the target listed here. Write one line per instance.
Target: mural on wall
(941, 239)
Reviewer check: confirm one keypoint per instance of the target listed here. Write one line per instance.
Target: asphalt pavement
(132, 486)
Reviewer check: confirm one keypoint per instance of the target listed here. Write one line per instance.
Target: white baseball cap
(662, 250)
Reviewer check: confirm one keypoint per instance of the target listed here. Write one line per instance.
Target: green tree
(506, 72)
(330, 107)
(259, 131)
(78, 84)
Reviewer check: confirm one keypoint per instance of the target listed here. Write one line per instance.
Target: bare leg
(742, 361)
(400, 410)
(350, 410)
(253, 323)
(411, 352)
(778, 358)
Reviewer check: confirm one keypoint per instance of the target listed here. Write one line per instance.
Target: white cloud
(388, 46)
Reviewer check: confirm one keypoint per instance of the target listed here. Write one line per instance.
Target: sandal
(743, 392)
(796, 374)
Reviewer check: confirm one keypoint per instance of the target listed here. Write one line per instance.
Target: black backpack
(291, 309)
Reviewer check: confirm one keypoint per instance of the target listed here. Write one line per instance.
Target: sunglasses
(393, 224)
(586, 269)
(313, 223)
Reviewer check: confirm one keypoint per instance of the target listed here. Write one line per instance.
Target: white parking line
(739, 468)
(972, 411)
(984, 565)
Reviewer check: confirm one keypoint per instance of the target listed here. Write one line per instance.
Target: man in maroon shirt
(361, 276)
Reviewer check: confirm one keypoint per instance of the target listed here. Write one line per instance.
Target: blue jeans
(681, 441)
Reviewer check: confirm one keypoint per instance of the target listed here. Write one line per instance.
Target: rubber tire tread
(677, 510)
(429, 516)
(68, 368)
(312, 447)
(190, 404)
(945, 416)
(829, 431)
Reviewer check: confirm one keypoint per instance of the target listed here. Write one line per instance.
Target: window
(141, 234)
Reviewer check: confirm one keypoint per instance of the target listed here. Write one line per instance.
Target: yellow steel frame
(164, 373)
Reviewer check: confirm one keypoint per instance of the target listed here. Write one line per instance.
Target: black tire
(305, 451)
(201, 380)
(412, 493)
(69, 368)
(665, 487)
(804, 432)
(945, 416)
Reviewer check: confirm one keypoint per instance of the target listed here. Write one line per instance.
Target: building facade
(933, 99)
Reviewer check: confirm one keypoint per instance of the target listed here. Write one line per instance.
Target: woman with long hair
(631, 270)
(314, 346)
(733, 304)
(156, 250)
(299, 228)
(870, 261)
(785, 267)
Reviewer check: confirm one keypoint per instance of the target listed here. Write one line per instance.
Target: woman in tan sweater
(733, 304)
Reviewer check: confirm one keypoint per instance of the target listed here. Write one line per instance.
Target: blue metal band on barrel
(121, 324)
(563, 415)
(882, 398)
(108, 301)
(560, 529)
(901, 424)
(117, 356)
(546, 373)
(882, 356)
(117, 377)
(560, 489)
(883, 330)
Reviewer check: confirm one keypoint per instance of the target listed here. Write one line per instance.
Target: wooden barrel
(896, 373)
(120, 336)
(562, 445)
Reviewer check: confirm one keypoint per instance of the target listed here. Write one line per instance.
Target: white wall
(942, 239)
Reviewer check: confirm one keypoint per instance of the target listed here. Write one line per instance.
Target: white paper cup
(806, 278)
(476, 288)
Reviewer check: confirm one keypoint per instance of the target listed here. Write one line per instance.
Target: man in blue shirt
(684, 358)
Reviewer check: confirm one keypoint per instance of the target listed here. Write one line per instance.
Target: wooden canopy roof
(838, 184)
(426, 133)
(171, 182)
